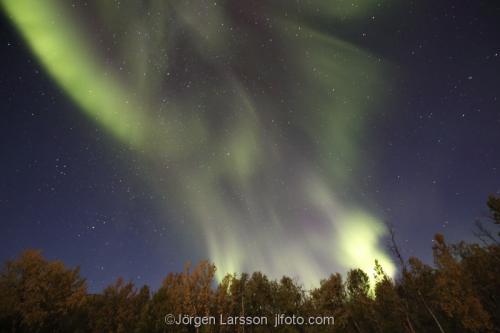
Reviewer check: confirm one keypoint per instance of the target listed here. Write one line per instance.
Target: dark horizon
(418, 147)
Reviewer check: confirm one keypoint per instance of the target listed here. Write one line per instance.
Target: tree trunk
(357, 326)
(431, 313)
(408, 322)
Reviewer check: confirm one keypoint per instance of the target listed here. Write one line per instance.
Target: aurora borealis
(252, 124)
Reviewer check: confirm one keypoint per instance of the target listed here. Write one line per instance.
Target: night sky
(262, 135)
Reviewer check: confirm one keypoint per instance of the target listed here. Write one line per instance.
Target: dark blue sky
(69, 189)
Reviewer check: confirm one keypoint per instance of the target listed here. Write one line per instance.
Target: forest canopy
(459, 293)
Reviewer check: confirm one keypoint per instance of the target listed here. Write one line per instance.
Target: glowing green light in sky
(62, 49)
(231, 151)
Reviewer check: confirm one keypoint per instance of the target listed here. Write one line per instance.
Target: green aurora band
(258, 198)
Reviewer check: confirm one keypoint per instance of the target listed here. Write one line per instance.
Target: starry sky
(277, 136)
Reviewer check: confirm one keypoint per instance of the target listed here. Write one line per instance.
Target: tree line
(459, 293)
